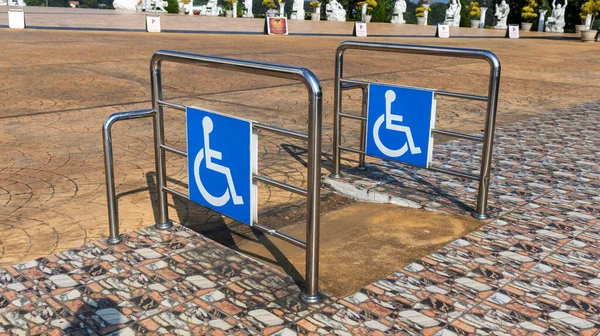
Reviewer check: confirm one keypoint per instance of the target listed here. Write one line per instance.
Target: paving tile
(266, 300)
(45, 316)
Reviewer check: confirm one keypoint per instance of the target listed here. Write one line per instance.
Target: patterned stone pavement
(531, 270)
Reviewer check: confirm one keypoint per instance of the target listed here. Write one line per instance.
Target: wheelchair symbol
(389, 118)
(210, 154)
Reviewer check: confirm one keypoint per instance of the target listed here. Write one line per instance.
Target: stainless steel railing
(313, 137)
(490, 121)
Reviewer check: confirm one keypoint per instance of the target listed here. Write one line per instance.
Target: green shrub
(173, 6)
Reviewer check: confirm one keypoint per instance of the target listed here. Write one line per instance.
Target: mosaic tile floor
(532, 269)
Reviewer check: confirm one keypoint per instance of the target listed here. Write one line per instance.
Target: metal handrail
(490, 120)
(311, 291)
(113, 214)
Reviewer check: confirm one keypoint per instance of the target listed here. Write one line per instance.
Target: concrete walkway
(532, 269)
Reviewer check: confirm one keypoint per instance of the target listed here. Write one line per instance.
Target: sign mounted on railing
(276, 26)
(153, 23)
(399, 124)
(16, 18)
(222, 156)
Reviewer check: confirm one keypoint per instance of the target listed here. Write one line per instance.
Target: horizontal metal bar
(173, 150)
(172, 105)
(349, 149)
(128, 115)
(280, 235)
(352, 116)
(461, 95)
(354, 82)
(351, 86)
(454, 173)
(459, 135)
(269, 128)
(421, 50)
(176, 193)
(258, 68)
(281, 185)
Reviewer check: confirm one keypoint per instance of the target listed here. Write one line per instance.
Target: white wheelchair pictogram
(389, 118)
(210, 155)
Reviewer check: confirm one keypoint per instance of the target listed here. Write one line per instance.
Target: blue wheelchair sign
(399, 124)
(221, 158)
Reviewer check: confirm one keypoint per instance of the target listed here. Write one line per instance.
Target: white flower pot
(588, 35)
(229, 13)
(368, 18)
(579, 28)
(526, 26)
(421, 21)
(475, 23)
(315, 16)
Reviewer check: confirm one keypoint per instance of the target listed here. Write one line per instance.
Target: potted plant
(270, 4)
(185, 6)
(528, 14)
(138, 7)
(182, 6)
(229, 7)
(590, 7)
(370, 4)
(474, 14)
(583, 25)
(420, 13)
(316, 14)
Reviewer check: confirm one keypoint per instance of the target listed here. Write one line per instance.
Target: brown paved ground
(109, 19)
(57, 87)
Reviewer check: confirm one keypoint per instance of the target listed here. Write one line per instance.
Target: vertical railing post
(311, 291)
(363, 126)
(337, 107)
(159, 153)
(488, 139)
(109, 173)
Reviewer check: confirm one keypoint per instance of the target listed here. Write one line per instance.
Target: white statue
(335, 11)
(482, 17)
(123, 4)
(363, 12)
(298, 12)
(248, 5)
(210, 9)
(542, 20)
(399, 10)
(588, 22)
(556, 21)
(453, 14)
(426, 12)
(501, 15)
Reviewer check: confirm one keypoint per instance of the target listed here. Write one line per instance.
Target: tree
(50, 3)
(590, 7)
(465, 19)
(410, 15)
(438, 13)
(383, 11)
